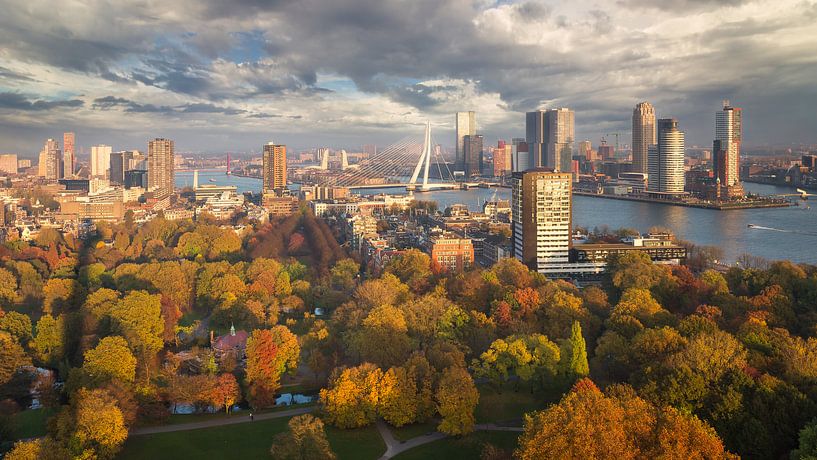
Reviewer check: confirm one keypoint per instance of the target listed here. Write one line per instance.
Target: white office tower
(666, 159)
(542, 219)
(466, 126)
(100, 160)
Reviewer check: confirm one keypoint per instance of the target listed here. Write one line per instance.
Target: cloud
(16, 101)
(355, 69)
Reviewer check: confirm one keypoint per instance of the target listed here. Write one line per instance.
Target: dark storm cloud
(8, 74)
(111, 102)
(16, 101)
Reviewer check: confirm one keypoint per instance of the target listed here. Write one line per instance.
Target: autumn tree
(92, 426)
(412, 267)
(270, 353)
(138, 318)
(111, 359)
(398, 397)
(383, 339)
(60, 294)
(305, 439)
(16, 325)
(351, 397)
(588, 424)
(224, 392)
(45, 448)
(8, 287)
(12, 357)
(456, 397)
(527, 357)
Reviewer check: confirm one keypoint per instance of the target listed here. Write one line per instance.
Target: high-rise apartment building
(550, 134)
(160, 167)
(542, 219)
(473, 154)
(8, 163)
(665, 159)
(466, 126)
(50, 165)
(100, 161)
(275, 167)
(68, 155)
(643, 134)
(726, 148)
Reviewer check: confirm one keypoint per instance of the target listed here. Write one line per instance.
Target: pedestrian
(251, 417)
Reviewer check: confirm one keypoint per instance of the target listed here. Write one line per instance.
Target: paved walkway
(238, 418)
(395, 447)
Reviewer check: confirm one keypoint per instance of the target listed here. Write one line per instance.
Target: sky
(220, 76)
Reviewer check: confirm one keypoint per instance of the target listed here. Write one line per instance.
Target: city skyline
(218, 80)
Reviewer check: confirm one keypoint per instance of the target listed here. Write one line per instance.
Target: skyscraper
(50, 165)
(466, 126)
(521, 156)
(100, 161)
(541, 219)
(585, 150)
(68, 155)
(473, 154)
(643, 134)
(726, 148)
(502, 159)
(665, 160)
(275, 167)
(120, 162)
(560, 141)
(160, 167)
(550, 135)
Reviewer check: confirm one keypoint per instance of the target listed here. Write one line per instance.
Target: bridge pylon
(423, 163)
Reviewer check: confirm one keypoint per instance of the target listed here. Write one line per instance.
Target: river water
(789, 233)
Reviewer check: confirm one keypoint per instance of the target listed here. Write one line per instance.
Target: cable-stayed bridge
(401, 164)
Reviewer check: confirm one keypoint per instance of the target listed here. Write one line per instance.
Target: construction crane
(614, 134)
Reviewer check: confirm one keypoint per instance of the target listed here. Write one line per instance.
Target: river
(789, 233)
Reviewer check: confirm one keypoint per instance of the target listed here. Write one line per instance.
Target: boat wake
(782, 230)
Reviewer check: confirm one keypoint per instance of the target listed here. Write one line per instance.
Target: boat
(752, 226)
(212, 180)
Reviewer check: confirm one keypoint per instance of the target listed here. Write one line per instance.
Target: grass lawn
(247, 441)
(359, 444)
(469, 447)
(508, 405)
(31, 423)
(244, 440)
(407, 432)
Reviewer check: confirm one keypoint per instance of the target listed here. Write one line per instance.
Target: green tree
(49, 341)
(574, 354)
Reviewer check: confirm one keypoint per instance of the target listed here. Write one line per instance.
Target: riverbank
(726, 206)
